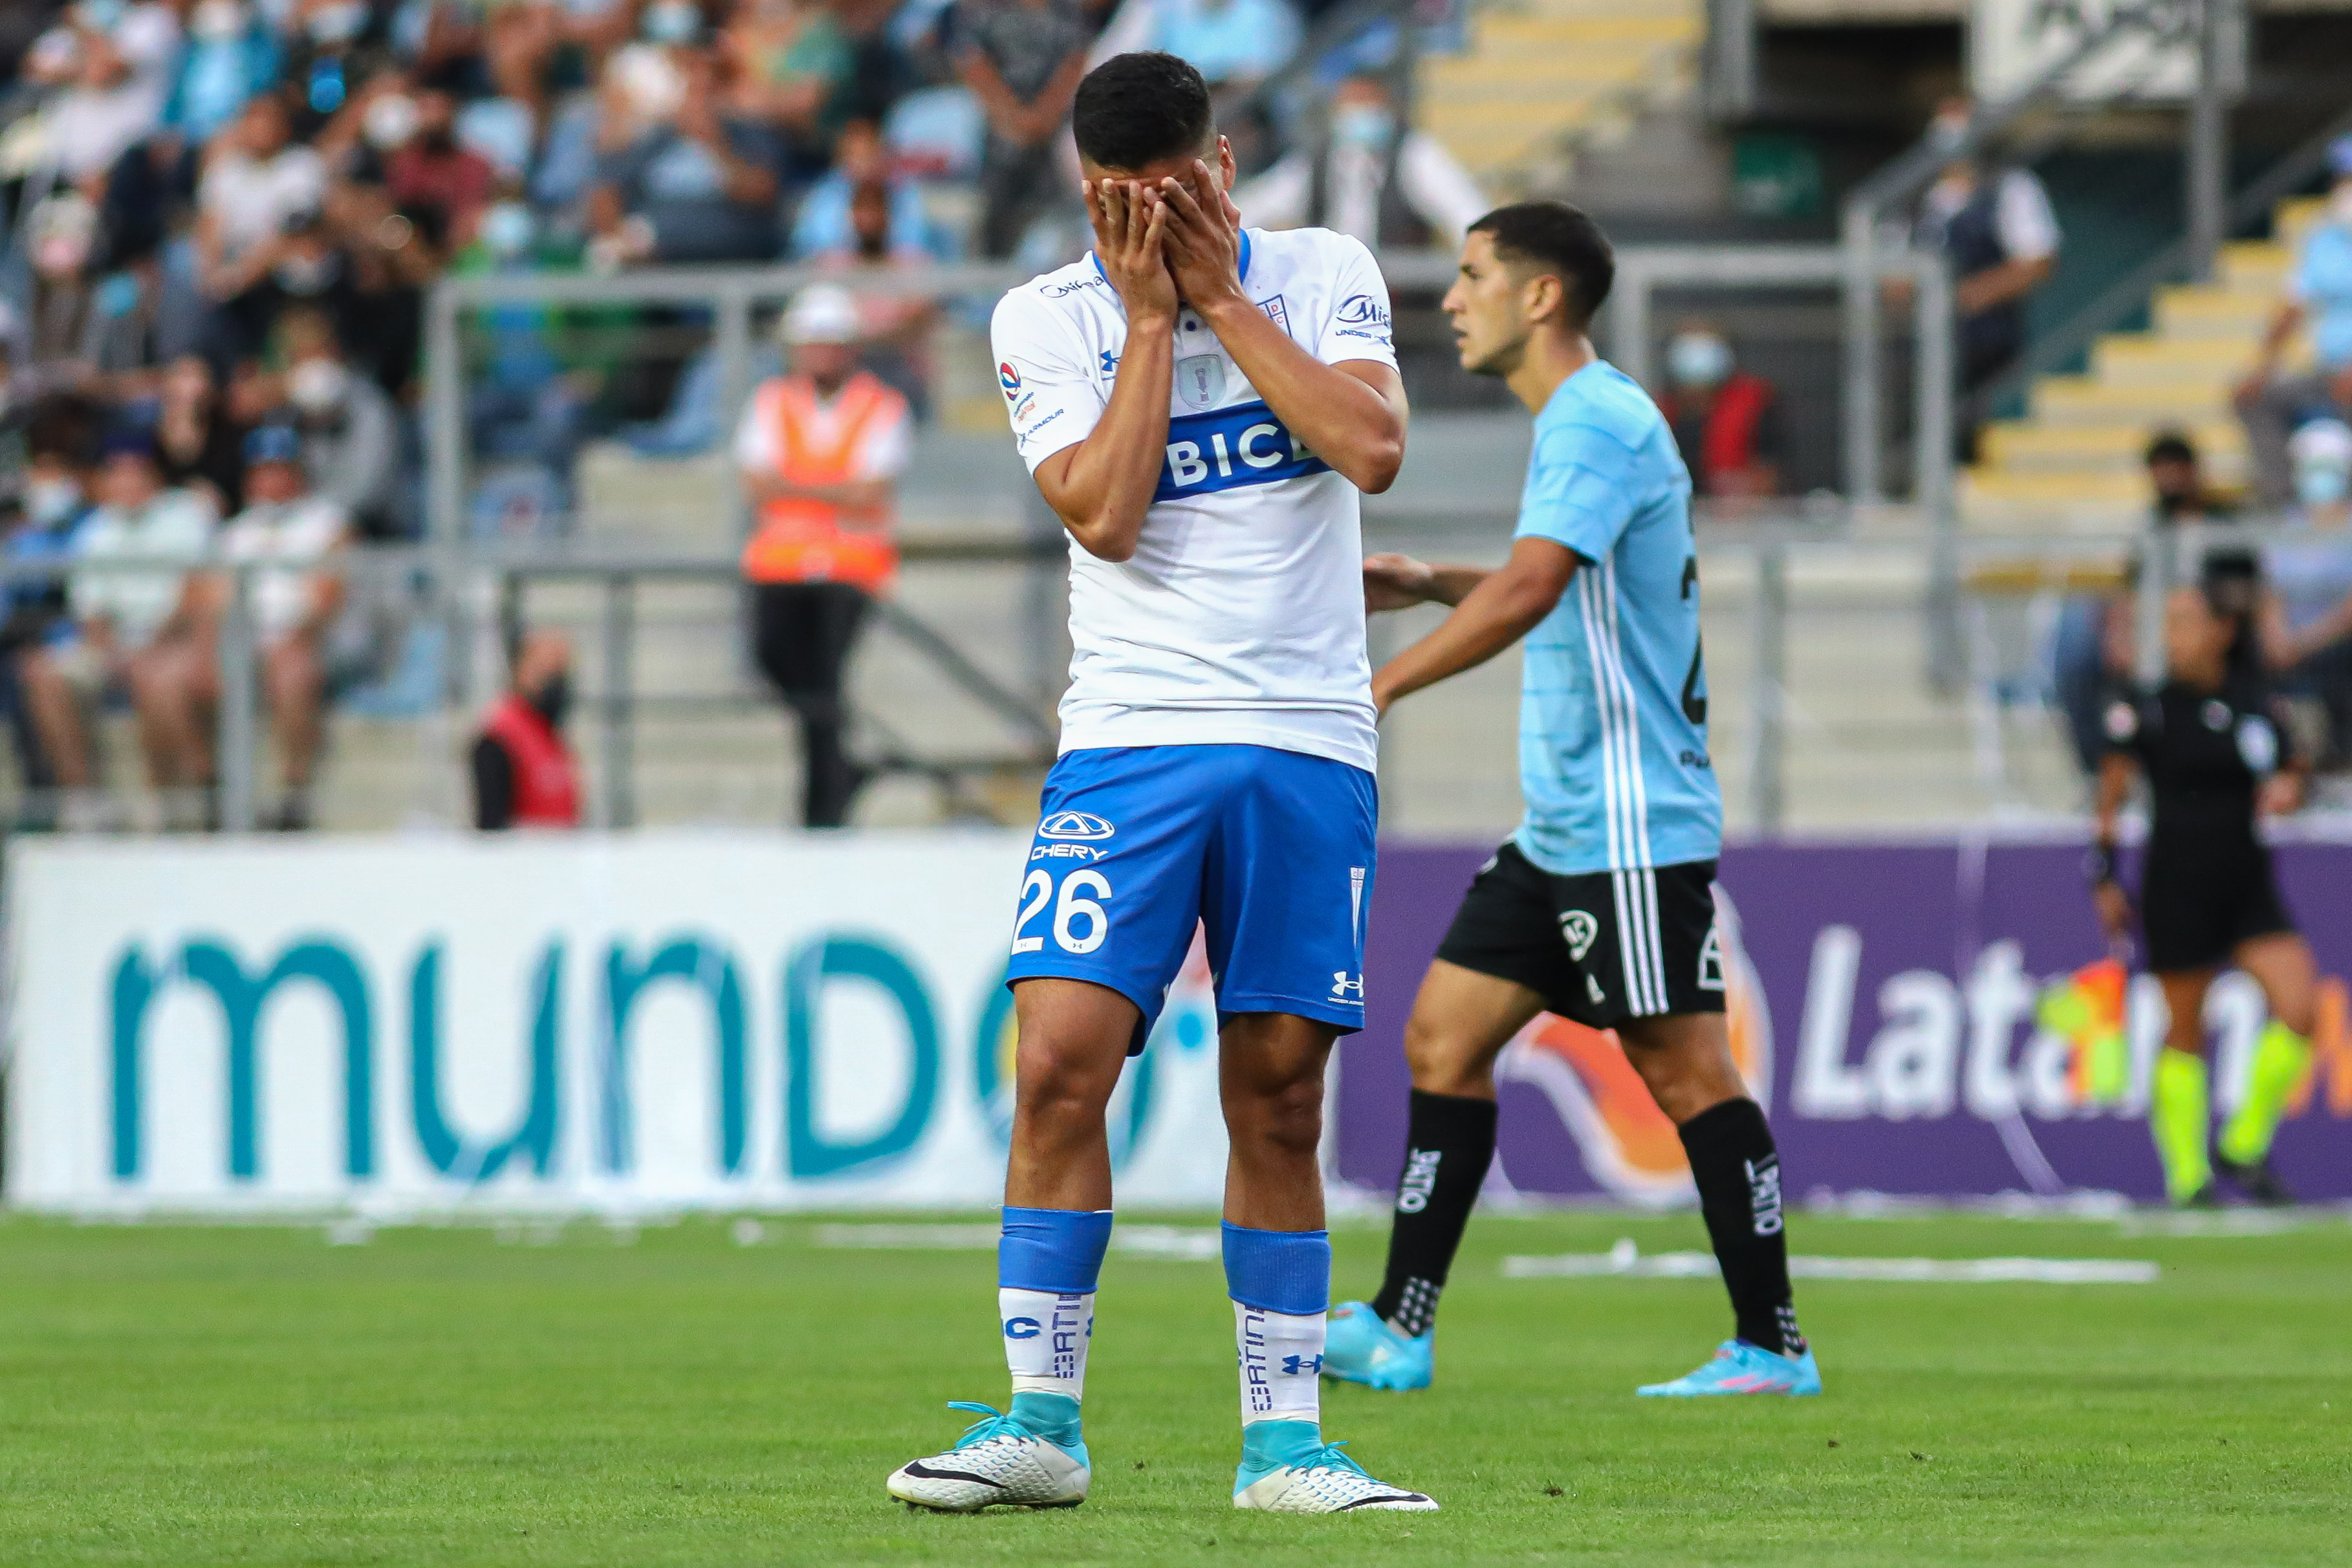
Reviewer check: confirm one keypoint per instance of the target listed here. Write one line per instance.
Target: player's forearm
(1341, 419)
(2114, 783)
(1452, 584)
(1495, 613)
(1102, 493)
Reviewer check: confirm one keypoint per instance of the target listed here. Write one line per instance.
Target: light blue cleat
(1739, 1367)
(1031, 1456)
(1286, 1468)
(1360, 1347)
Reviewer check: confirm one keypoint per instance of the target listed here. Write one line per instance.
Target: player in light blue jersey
(1600, 907)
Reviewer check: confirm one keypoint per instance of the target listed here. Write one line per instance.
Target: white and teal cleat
(1359, 1347)
(1032, 1457)
(1286, 1468)
(1739, 1367)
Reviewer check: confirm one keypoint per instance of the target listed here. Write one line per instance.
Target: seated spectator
(1023, 59)
(1727, 423)
(335, 45)
(2307, 611)
(823, 228)
(2319, 291)
(432, 170)
(107, 112)
(199, 444)
(820, 449)
(524, 773)
(695, 184)
(258, 185)
(350, 433)
(232, 56)
(793, 68)
(1346, 186)
(53, 498)
(1233, 44)
(140, 627)
(295, 600)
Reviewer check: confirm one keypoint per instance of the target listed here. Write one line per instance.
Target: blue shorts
(1271, 851)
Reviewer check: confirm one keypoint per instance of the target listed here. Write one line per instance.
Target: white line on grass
(1625, 1260)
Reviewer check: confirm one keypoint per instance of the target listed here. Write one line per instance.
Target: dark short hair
(1557, 238)
(1134, 109)
(2169, 446)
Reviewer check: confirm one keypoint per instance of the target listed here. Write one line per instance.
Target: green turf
(180, 1394)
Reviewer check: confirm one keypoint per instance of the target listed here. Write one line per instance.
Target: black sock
(1738, 1176)
(1448, 1144)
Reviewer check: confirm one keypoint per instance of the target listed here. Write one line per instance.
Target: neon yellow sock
(2179, 1118)
(2281, 1059)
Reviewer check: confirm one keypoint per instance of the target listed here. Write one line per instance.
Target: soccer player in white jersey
(1201, 404)
(1600, 906)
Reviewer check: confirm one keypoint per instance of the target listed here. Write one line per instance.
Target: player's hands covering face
(1204, 237)
(1131, 225)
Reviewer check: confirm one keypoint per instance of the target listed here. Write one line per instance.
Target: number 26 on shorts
(1080, 923)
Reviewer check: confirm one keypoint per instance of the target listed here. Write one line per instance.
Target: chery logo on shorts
(1074, 825)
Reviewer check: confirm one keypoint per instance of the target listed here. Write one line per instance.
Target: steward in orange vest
(820, 450)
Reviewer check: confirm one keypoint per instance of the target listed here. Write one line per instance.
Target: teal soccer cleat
(1739, 1367)
(1031, 1457)
(1286, 1468)
(1359, 1347)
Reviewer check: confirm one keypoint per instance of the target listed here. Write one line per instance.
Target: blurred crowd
(2297, 418)
(219, 221)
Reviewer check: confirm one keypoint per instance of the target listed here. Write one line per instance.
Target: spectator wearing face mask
(524, 773)
(1997, 229)
(2304, 614)
(2319, 295)
(232, 55)
(145, 629)
(1727, 423)
(295, 597)
(53, 498)
(695, 184)
(1352, 184)
(521, 401)
(350, 432)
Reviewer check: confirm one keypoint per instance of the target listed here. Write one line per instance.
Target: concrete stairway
(1539, 73)
(2074, 459)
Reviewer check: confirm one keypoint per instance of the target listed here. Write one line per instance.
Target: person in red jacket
(524, 773)
(1725, 421)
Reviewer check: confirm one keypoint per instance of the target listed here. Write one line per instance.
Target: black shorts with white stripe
(1599, 948)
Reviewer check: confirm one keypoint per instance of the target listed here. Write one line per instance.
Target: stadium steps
(2074, 459)
(1537, 75)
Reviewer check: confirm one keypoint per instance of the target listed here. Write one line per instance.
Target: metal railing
(1903, 179)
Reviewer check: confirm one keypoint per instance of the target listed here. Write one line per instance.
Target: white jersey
(1240, 619)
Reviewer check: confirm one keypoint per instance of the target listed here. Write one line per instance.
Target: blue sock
(1048, 1264)
(1280, 1282)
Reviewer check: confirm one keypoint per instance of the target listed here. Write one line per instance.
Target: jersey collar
(1243, 270)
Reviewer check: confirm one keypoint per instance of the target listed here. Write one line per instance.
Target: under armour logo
(1343, 986)
(1294, 1364)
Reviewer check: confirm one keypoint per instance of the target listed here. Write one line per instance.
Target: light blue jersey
(1613, 708)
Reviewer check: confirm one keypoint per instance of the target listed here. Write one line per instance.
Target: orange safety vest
(814, 540)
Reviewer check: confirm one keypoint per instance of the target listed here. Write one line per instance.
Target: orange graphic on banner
(2331, 1053)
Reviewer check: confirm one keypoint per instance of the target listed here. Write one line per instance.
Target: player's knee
(1443, 1062)
(1284, 1117)
(1053, 1084)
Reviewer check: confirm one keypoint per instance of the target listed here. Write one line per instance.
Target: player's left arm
(1351, 415)
(1503, 606)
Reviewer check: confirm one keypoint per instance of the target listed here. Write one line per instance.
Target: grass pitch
(182, 1394)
